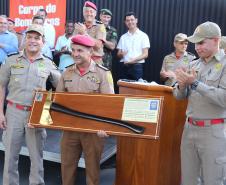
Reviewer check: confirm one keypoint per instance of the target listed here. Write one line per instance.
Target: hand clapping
(185, 77)
(80, 28)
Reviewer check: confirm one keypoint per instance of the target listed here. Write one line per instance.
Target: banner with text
(22, 11)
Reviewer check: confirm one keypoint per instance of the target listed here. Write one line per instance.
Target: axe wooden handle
(60, 108)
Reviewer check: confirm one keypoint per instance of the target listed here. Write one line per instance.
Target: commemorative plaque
(123, 115)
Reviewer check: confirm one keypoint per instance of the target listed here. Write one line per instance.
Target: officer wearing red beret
(83, 40)
(87, 77)
(90, 4)
(93, 28)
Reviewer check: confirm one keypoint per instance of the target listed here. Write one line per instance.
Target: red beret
(83, 40)
(11, 20)
(90, 4)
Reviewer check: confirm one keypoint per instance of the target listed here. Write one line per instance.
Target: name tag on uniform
(170, 62)
(17, 66)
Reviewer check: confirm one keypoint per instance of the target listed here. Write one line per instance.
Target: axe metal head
(46, 118)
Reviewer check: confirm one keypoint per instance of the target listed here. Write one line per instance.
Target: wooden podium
(152, 161)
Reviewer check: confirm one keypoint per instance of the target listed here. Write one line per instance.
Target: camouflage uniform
(112, 36)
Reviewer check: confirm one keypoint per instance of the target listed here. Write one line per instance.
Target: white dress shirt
(50, 34)
(133, 44)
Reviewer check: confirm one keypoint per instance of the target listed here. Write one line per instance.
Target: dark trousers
(131, 71)
(72, 146)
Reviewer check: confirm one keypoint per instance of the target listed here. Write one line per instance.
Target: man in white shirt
(133, 49)
(50, 33)
(63, 46)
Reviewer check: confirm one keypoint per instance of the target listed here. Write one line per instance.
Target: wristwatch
(194, 85)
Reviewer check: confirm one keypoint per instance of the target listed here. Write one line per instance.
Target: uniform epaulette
(50, 60)
(191, 54)
(69, 65)
(113, 28)
(11, 54)
(102, 67)
(47, 57)
(196, 58)
(99, 22)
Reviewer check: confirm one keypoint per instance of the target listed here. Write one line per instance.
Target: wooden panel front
(109, 106)
(148, 161)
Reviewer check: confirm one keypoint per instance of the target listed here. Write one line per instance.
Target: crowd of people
(85, 65)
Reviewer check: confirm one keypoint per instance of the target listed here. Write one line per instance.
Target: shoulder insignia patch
(102, 28)
(99, 22)
(109, 78)
(102, 67)
(11, 54)
(114, 34)
(218, 66)
(69, 66)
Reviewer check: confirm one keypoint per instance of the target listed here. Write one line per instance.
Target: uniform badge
(67, 81)
(17, 66)
(93, 79)
(102, 28)
(218, 66)
(39, 96)
(186, 61)
(169, 62)
(109, 77)
(41, 65)
(114, 34)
